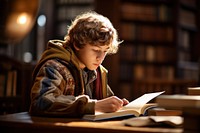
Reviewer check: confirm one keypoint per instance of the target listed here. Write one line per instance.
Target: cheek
(88, 56)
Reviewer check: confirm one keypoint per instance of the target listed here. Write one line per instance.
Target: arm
(52, 93)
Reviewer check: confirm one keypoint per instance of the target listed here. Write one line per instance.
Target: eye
(106, 51)
(96, 50)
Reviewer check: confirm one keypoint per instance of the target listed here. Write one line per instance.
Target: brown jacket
(58, 88)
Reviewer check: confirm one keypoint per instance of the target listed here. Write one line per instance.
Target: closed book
(178, 101)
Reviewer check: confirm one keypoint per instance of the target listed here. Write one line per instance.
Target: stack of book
(190, 107)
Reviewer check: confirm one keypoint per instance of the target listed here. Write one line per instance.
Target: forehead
(104, 47)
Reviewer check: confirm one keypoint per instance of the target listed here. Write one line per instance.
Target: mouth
(96, 65)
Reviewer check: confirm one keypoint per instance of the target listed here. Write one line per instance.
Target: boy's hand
(110, 104)
(125, 101)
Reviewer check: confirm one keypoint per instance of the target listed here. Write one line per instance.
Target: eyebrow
(106, 48)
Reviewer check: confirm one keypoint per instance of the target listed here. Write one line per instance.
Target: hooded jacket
(59, 88)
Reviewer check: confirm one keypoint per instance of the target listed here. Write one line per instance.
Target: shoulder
(59, 66)
(54, 64)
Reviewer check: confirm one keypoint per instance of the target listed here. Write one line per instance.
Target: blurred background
(160, 49)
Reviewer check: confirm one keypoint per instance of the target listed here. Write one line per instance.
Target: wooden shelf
(14, 95)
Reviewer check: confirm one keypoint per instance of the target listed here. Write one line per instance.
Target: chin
(92, 68)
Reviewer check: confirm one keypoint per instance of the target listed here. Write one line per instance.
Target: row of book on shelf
(132, 31)
(151, 71)
(147, 53)
(67, 10)
(145, 12)
(184, 40)
(154, 12)
(141, 71)
(188, 70)
(187, 18)
(70, 12)
(8, 83)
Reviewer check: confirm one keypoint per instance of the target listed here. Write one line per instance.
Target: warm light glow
(18, 24)
(22, 19)
(17, 20)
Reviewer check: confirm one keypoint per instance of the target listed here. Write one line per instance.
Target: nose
(101, 56)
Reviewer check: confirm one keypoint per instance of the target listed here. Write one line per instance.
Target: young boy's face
(91, 56)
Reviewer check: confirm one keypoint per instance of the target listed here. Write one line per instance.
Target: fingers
(110, 104)
(125, 101)
(115, 103)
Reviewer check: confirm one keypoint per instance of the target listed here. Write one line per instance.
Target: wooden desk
(24, 123)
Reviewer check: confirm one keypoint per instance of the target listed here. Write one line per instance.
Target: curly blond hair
(94, 29)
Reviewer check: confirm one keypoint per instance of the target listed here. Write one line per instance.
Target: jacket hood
(55, 50)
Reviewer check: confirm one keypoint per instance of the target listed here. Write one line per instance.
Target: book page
(141, 101)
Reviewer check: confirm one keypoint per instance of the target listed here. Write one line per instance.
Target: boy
(69, 79)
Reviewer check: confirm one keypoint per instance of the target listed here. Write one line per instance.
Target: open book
(136, 108)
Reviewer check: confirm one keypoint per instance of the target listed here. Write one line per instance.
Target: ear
(75, 47)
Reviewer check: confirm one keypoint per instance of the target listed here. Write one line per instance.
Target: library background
(160, 49)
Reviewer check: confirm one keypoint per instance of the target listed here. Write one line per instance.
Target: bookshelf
(160, 37)
(65, 11)
(17, 20)
(187, 33)
(152, 40)
(15, 84)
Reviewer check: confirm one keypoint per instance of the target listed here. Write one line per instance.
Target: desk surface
(23, 122)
